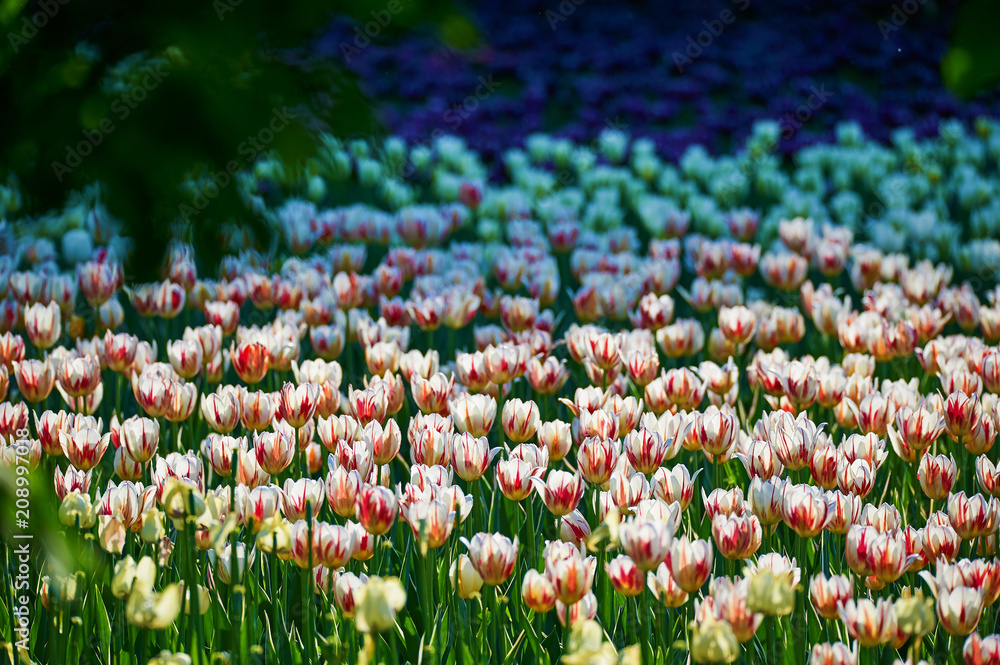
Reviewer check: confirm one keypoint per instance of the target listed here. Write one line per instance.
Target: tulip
(959, 609)
(569, 570)
(556, 437)
(257, 410)
(377, 603)
(77, 510)
(717, 431)
(827, 594)
(297, 404)
(674, 485)
(301, 499)
(626, 577)
(736, 536)
(770, 593)
(473, 413)
(805, 510)
(84, 448)
(275, 451)
(250, 360)
(548, 376)
(981, 650)
(646, 450)
(560, 491)
(228, 563)
(139, 437)
(936, 474)
(370, 404)
(665, 588)
(713, 641)
(432, 523)
(222, 411)
(493, 556)
(869, 623)
(571, 615)
(596, 459)
(464, 577)
(345, 592)
(690, 562)
(79, 377)
(972, 516)
(737, 323)
(332, 545)
(888, 557)
(186, 357)
(537, 592)
(35, 379)
(43, 324)
(520, 420)
(471, 456)
(376, 509)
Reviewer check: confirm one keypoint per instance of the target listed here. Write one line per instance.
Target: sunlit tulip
(737, 323)
(471, 456)
(537, 592)
(556, 436)
(301, 498)
(723, 502)
(84, 448)
(626, 577)
(257, 411)
(345, 590)
(972, 516)
(139, 437)
(431, 521)
(982, 650)
(869, 623)
(805, 510)
(275, 451)
(569, 570)
(376, 509)
(368, 404)
(828, 593)
(221, 411)
(520, 420)
(79, 376)
(560, 491)
(473, 413)
(690, 562)
(465, 578)
(514, 478)
(888, 557)
(43, 324)
(736, 536)
(250, 360)
(665, 588)
(936, 474)
(959, 609)
(493, 556)
(35, 379)
(675, 484)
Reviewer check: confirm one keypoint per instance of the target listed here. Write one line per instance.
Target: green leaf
(103, 626)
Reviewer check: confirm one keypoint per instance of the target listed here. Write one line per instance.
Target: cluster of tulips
(393, 443)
